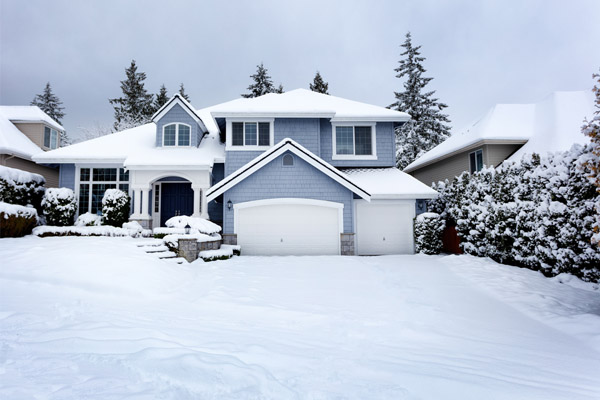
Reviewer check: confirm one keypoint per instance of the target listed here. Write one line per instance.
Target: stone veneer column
(347, 244)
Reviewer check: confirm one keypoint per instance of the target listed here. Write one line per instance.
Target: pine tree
(135, 107)
(319, 85)
(161, 98)
(428, 126)
(182, 92)
(592, 129)
(279, 89)
(262, 83)
(49, 103)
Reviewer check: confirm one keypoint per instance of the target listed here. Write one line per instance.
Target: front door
(176, 199)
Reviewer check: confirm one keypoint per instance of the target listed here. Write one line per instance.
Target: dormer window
(177, 134)
(50, 138)
(354, 142)
(250, 135)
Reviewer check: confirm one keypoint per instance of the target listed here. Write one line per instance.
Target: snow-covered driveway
(97, 318)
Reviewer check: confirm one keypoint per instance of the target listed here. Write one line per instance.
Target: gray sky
(479, 52)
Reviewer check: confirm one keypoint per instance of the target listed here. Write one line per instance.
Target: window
(250, 134)
(354, 142)
(288, 160)
(476, 161)
(50, 138)
(93, 184)
(177, 135)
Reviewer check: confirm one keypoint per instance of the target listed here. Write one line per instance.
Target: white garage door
(384, 227)
(282, 227)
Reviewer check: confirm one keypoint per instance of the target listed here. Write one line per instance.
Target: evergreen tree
(161, 98)
(592, 129)
(428, 126)
(279, 89)
(135, 106)
(319, 85)
(49, 103)
(182, 92)
(262, 83)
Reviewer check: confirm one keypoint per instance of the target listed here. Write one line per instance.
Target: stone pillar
(197, 199)
(229, 238)
(188, 249)
(347, 244)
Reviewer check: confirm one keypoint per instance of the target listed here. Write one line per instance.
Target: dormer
(178, 124)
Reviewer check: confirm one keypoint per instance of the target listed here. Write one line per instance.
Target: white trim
(91, 182)
(229, 136)
(177, 124)
(177, 99)
(283, 146)
(324, 114)
(372, 156)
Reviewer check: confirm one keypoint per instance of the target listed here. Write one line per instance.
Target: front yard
(98, 318)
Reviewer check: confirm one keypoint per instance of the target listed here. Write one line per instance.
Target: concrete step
(166, 254)
(155, 249)
(149, 242)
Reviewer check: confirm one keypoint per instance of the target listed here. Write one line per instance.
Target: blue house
(292, 173)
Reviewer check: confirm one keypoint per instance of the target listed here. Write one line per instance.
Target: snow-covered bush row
(429, 228)
(196, 224)
(127, 230)
(115, 207)
(224, 253)
(16, 220)
(537, 213)
(88, 219)
(59, 206)
(21, 187)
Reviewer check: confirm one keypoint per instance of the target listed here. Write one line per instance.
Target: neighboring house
(26, 131)
(293, 173)
(508, 131)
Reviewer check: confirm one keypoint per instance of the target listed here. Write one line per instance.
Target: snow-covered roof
(306, 103)
(550, 125)
(13, 141)
(28, 114)
(389, 183)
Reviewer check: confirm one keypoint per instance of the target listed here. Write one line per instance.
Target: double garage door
(313, 227)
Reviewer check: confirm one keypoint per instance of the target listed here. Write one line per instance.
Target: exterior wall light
(187, 229)
(229, 205)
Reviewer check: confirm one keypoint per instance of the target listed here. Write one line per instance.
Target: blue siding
(178, 114)
(300, 181)
(385, 142)
(66, 176)
(235, 159)
(303, 130)
(215, 210)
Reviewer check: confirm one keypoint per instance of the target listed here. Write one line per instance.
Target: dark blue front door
(176, 199)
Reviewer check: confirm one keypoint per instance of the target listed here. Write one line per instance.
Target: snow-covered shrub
(115, 207)
(200, 225)
(224, 253)
(21, 187)
(16, 220)
(59, 206)
(88, 219)
(429, 228)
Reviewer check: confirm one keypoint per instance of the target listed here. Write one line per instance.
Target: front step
(155, 249)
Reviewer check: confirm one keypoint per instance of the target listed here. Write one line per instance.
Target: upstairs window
(351, 141)
(50, 138)
(251, 134)
(476, 161)
(177, 135)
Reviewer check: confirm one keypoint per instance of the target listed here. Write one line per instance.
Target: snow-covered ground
(97, 318)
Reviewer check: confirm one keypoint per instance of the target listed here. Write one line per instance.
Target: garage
(384, 227)
(289, 227)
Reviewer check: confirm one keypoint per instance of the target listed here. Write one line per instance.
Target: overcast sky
(479, 52)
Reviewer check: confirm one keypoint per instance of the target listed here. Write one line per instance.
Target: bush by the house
(115, 207)
(429, 228)
(59, 206)
(21, 187)
(16, 220)
(88, 219)
(537, 213)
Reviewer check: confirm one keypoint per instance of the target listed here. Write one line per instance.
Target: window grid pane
(84, 174)
(124, 187)
(479, 157)
(47, 136)
(250, 137)
(184, 135)
(472, 162)
(156, 198)
(362, 137)
(53, 139)
(84, 198)
(344, 141)
(264, 134)
(169, 139)
(105, 174)
(237, 134)
(98, 190)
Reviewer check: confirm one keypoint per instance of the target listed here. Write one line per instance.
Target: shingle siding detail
(66, 176)
(178, 114)
(300, 181)
(305, 131)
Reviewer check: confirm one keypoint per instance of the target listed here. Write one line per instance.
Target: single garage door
(384, 227)
(282, 227)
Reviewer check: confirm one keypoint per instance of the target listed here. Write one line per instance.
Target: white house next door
(288, 227)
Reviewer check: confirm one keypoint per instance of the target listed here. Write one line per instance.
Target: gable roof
(550, 125)
(13, 141)
(389, 183)
(306, 103)
(29, 114)
(187, 107)
(274, 152)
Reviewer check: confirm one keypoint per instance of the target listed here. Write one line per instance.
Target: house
(292, 173)
(507, 132)
(26, 131)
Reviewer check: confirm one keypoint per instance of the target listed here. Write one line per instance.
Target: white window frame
(482, 163)
(79, 182)
(372, 156)
(177, 124)
(53, 133)
(229, 139)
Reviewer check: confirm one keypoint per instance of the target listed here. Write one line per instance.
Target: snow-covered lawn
(97, 318)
